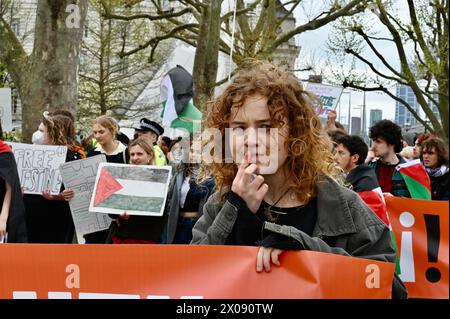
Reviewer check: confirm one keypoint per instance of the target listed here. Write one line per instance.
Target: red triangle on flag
(416, 171)
(106, 186)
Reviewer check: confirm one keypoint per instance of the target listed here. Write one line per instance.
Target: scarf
(438, 171)
(4, 148)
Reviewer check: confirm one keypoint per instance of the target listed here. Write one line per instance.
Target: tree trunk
(50, 81)
(207, 55)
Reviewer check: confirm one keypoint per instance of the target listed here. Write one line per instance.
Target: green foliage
(110, 79)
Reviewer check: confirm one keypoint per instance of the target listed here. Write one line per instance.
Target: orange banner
(178, 271)
(421, 232)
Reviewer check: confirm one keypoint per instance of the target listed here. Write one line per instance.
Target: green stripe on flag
(127, 203)
(397, 260)
(416, 189)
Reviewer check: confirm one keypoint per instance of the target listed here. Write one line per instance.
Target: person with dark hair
(387, 142)
(164, 143)
(434, 156)
(12, 210)
(275, 185)
(334, 136)
(351, 151)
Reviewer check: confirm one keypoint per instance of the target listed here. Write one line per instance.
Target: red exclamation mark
(433, 235)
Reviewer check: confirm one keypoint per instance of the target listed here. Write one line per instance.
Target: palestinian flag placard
(134, 189)
(416, 179)
(176, 92)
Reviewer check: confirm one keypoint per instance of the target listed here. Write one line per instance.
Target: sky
(315, 43)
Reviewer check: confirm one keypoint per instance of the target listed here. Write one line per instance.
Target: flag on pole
(416, 179)
(177, 90)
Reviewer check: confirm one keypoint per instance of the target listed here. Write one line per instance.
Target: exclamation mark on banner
(433, 235)
(406, 252)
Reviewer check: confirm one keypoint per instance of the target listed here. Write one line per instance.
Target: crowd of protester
(312, 184)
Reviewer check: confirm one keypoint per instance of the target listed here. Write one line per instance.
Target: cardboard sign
(329, 96)
(134, 189)
(421, 232)
(38, 166)
(80, 177)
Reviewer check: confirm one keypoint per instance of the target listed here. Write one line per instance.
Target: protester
(164, 143)
(351, 152)
(332, 124)
(105, 130)
(286, 197)
(186, 197)
(334, 136)
(175, 153)
(12, 210)
(418, 142)
(408, 153)
(151, 131)
(434, 155)
(49, 219)
(78, 147)
(138, 229)
(387, 141)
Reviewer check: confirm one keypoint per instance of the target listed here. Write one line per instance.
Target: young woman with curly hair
(49, 219)
(280, 194)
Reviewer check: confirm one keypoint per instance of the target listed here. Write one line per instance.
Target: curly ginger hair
(309, 157)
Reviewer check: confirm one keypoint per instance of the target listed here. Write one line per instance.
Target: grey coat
(345, 225)
(172, 207)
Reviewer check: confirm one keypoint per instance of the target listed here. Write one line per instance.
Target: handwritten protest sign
(38, 166)
(80, 176)
(329, 96)
(135, 189)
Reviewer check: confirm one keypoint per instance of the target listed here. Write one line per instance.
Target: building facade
(375, 116)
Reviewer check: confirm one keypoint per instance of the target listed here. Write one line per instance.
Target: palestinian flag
(416, 179)
(177, 90)
(134, 189)
(365, 183)
(375, 200)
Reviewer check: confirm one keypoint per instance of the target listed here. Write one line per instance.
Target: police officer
(151, 131)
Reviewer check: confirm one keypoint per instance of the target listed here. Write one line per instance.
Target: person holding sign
(280, 192)
(12, 210)
(49, 219)
(105, 130)
(137, 229)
